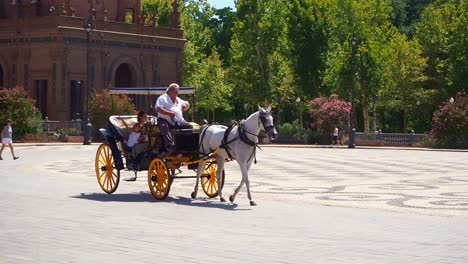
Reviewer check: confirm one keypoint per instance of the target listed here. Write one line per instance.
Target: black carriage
(113, 157)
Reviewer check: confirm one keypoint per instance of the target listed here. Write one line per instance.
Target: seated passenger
(170, 108)
(134, 138)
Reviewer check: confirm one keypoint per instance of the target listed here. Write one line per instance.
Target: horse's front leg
(219, 175)
(244, 166)
(245, 176)
(233, 196)
(200, 168)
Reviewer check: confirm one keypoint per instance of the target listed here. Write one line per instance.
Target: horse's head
(267, 121)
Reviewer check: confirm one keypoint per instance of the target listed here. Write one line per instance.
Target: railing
(52, 126)
(388, 139)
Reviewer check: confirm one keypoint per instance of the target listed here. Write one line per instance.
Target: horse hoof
(194, 195)
(222, 199)
(231, 199)
(252, 203)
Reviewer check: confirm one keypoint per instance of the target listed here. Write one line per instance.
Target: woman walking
(7, 133)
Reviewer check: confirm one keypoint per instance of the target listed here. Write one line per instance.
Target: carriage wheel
(108, 175)
(158, 179)
(208, 179)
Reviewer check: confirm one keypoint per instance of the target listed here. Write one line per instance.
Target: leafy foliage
(442, 34)
(156, 12)
(102, 105)
(293, 130)
(72, 131)
(451, 123)
(19, 107)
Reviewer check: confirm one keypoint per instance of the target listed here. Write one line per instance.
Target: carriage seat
(123, 125)
(186, 140)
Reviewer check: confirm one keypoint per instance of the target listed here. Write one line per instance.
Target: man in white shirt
(170, 108)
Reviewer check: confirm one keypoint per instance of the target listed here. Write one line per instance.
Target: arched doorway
(123, 76)
(1, 76)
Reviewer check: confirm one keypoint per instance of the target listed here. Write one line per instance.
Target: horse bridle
(263, 119)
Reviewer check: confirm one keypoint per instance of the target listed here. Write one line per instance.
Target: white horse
(240, 144)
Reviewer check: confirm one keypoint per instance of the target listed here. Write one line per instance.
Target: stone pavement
(382, 206)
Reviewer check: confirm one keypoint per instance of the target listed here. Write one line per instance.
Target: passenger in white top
(170, 108)
(135, 136)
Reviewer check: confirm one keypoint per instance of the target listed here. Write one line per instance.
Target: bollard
(411, 142)
(351, 138)
(46, 122)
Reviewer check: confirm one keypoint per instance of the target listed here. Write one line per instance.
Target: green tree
(156, 12)
(442, 34)
(19, 107)
(368, 23)
(406, 14)
(213, 91)
(404, 75)
(378, 43)
(203, 68)
(222, 24)
(103, 104)
(260, 70)
(308, 44)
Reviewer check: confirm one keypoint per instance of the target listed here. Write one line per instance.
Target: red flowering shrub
(16, 105)
(102, 105)
(326, 114)
(450, 123)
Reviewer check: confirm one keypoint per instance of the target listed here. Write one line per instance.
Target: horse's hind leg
(219, 174)
(200, 168)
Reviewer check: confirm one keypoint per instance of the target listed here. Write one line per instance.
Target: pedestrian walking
(336, 133)
(7, 133)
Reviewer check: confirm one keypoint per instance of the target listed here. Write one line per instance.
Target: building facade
(45, 48)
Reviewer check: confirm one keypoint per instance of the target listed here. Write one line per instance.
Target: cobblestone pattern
(423, 182)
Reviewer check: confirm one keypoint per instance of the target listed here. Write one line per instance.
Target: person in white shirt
(135, 136)
(335, 136)
(170, 108)
(6, 137)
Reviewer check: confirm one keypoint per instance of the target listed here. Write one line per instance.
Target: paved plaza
(315, 205)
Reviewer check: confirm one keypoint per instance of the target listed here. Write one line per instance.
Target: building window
(76, 95)
(41, 96)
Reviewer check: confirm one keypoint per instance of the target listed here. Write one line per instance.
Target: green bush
(16, 105)
(72, 131)
(293, 130)
(103, 104)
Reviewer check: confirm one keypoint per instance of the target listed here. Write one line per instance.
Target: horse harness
(242, 136)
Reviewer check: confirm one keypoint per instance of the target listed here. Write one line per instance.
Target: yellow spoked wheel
(107, 175)
(159, 179)
(208, 179)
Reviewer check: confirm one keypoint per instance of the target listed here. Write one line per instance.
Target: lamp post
(88, 27)
(278, 120)
(352, 130)
(299, 110)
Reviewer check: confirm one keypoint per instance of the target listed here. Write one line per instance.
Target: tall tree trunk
(365, 112)
(405, 121)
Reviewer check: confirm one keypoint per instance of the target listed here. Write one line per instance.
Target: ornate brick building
(44, 47)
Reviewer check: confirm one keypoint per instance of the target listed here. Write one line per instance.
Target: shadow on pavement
(147, 197)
